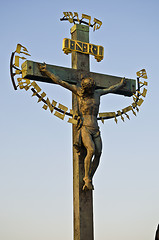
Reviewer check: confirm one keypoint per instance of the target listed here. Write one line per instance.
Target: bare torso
(89, 108)
(89, 101)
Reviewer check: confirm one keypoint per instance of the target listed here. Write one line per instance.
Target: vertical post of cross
(82, 200)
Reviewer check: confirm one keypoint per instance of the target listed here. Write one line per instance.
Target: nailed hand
(42, 67)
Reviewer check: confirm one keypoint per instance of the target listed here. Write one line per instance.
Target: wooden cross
(82, 200)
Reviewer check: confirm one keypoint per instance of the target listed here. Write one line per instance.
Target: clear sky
(36, 147)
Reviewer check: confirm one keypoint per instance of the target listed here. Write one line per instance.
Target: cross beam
(30, 70)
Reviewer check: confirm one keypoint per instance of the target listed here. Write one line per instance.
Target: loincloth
(94, 132)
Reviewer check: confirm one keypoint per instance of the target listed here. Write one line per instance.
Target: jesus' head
(88, 85)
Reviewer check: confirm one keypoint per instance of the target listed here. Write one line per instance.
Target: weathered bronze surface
(89, 101)
(30, 70)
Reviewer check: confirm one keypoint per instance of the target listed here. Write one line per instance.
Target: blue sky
(36, 147)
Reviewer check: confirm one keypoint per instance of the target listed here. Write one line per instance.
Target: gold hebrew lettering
(133, 112)
(135, 99)
(139, 92)
(34, 94)
(122, 118)
(107, 114)
(127, 109)
(116, 120)
(144, 92)
(19, 46)
(75, 115)
(45, 106)
(23, 83)
(76, 15)
(144, 83)
(133, 105)
(51, 106)
(27, 81)
(28, 85)
(102, 120)
(137, 109)
(69, 16)
(18, 71)
(24, 49)
(142, 73)
(97, 24)
(127, 116)
(62, 107)
(87, 17)
(23, 58)
(35, 85)
(19, 79)
(26, 53)
(72, 120)
(61, 115)
(16, 63)
(140, 102)
(120, 114)
(135, 95)
(20, 83)
(71, 111)
(41, 97)
(54, 103)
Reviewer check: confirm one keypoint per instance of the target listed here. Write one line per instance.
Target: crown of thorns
(88, 82)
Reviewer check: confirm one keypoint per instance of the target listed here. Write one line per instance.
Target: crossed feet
(88, 184)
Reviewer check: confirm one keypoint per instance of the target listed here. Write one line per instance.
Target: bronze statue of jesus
(89, 101)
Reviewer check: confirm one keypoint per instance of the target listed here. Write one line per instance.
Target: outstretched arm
(112, 88)
(56, 79)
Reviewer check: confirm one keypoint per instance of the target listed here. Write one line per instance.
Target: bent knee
(91, 151)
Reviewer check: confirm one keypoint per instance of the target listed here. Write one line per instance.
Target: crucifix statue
(88, 131)
(87, 88)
